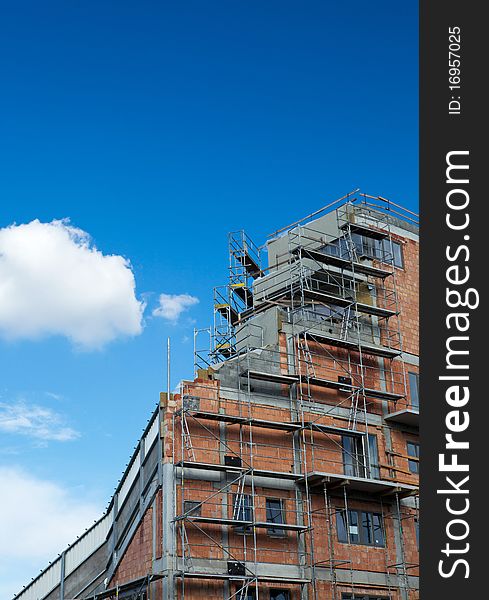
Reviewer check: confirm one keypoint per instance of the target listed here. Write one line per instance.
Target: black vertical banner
(454, 325)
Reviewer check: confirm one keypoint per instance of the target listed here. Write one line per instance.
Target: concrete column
(113, 535)
(142, 456)
(168, 529)
(62, 577)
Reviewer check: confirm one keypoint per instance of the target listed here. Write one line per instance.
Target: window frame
(276, 531)
(368, 247)
(413, 379)
(385, 249)
(373, 466)
(401, 255)
(354, 463)
(413, 465)
(246, 509)
(355, 518)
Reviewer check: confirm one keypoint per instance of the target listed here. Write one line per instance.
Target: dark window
(397, 252)
(373, 453)
(337, 247)
(242, 507)
(361, 247)
(386, 250)
(275, 514)
(353, 527)
(192, 508)
(413, 450)
(378, 530)
(367, 528)
(363, 597)
(347, 526)
(354, 463)
(360, 527)
(341, 527)
(365, 246)
(279, 595)
(398, 259)
(242, 510)
(353, 460)
(414, 388)
(391, 252)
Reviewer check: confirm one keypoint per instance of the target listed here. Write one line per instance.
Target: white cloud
(39, 519)
(34, 421)
(54, 281)
(171, 306)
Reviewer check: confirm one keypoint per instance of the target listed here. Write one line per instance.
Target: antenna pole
(168, 369)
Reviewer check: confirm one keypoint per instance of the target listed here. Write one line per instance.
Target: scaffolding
(340, 360)
(233, 302)
(343, 295)
(233, 502)
(247, 452)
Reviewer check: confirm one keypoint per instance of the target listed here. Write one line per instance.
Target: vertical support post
(142, 452)
(332, 564)
(62, 577)
(168, 505)
(168, 529)
(114, 532)
(168, 369)
(404, 589)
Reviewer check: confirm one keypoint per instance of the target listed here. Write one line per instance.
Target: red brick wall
(407, 283)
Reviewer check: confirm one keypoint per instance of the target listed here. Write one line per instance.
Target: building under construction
(287, 468)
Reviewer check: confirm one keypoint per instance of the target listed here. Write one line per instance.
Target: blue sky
(157, 127)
